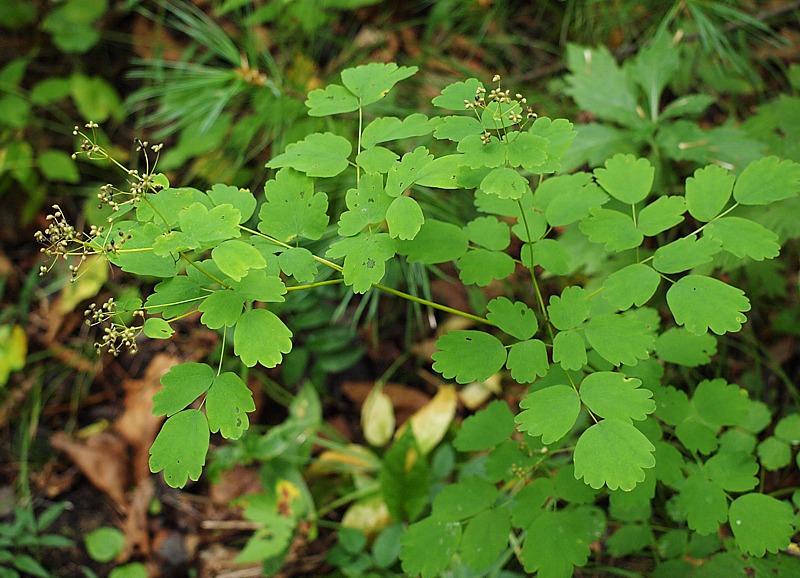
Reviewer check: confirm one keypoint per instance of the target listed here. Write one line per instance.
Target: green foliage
(22, 540)
(623, 288)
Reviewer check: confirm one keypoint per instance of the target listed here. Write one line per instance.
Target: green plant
(103, 545)
(22, 540)
(625, 435)
(634, 116)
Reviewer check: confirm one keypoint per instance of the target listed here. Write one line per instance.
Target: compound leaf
(376, 159)
(236, 258)
(180, 448)
(261, 337)
(626, 178)
(774, 453)
(481, 267)
(555, 544)
(365, 258)
(744, 238)
(631, 285)
(486, 428)
(183, 384)
(613, 452)
(761, 524)
(435, 242)
(612, 395)
(515, 318)
(704, 503)
(371, 82)
(767, 180)
(550, 412)
(685, 254)
(708, 191)
(227, 404)
(615, 230)
(468, 355)
(333, 99)
(689, 300)
(527, 360)
(404, 217)
(318, 155)
(292, 208)
(620, 338)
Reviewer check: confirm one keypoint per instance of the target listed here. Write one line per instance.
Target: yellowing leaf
(431, 422)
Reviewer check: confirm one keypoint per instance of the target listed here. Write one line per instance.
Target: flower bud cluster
(501, 96)
(117, 336)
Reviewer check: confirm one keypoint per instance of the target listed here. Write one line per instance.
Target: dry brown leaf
(137, 536)
(102, 458)
(137, 425)
(233, 484)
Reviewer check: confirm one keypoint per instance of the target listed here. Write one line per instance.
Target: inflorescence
(498, 97)
(60, 239)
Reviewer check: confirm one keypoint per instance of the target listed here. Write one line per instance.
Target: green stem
(383, 288)
(317, 284)
(204, 272)
(433, 305)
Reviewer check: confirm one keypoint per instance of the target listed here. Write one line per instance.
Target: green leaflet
(550, 412)
(180, 448)
(261, 337)
(761, 523)
(468, 355)
(486, 428)
(613, 453)
(292, 208)
(389, 128)
(365, 258)
(366, 205)
(515, 318)
(685, 254)
(615, 230)
(318, 155)
(612, 395)
(227, 403)
(435, 242)
(688, 300)
(626, 178)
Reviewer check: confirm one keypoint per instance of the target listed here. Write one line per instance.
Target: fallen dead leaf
(102, 458)
(138, 425)
(432, 421)
(233, 484)
(137, 536)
